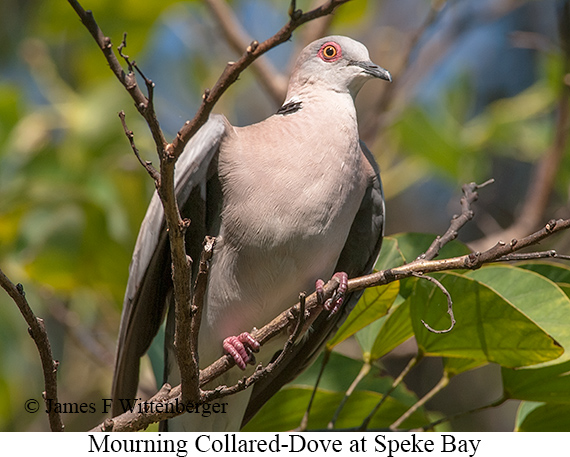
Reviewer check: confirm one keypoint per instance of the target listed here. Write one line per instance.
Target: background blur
(480, 90)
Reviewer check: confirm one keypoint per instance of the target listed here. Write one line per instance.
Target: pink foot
(240, 348)
(333, 304)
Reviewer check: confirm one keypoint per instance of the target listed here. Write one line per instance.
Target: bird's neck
(312, 100)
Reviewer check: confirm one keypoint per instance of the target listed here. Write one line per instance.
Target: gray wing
(356, 259)
(199, 198)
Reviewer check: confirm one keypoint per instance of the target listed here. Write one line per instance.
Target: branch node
(205, 96)
(20, 289)
(472, 259)
(108, 425)
(184, 224)
(252, 47)
(550, 225)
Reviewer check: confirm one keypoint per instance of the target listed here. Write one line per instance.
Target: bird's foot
(241, 348)
(332, 305)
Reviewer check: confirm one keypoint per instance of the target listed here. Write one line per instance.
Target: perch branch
(470, 261)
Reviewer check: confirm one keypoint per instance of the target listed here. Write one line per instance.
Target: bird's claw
(241, 348)
(332, 305)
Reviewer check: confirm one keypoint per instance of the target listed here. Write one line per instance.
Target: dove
(292, 199)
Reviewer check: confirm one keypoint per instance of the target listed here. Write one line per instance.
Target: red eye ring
(330, 52)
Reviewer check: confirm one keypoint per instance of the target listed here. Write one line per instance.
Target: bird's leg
(333, 304)
(241, 348)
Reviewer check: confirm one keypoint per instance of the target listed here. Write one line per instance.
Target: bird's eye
(330, 52)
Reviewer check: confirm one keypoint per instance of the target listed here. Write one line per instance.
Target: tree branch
(38, 332)
(419, 266)
(470, 196)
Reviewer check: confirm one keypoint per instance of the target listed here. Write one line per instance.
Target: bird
(290, 200)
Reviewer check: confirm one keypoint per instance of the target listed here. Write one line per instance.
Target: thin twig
(305, 420)
(551, 254)
(37, 331)
(361, 374)
(372, 124)
(443, 382)
(470, 195)
(153, 173)
(411, 364)
(449, 303)
(451, 417)
(128, 80)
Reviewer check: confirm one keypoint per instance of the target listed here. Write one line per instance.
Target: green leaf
(556, 272)
(548, 384)
(534, 295)
(542, 417)
(366, 337)
(488, 326)
(374, 303)
(397, 328)
(390, 255)
(340, 373)
(285, 410)
(454, 366)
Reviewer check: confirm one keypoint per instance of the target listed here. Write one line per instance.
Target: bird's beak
(373, 70)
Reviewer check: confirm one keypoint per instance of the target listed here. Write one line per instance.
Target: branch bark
(38, 332)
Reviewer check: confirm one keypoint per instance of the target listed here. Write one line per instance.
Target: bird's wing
(199, 198)
(356, 259)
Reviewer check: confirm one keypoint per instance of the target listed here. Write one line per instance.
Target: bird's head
(336, 63)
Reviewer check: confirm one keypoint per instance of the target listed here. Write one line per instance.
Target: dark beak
(373, 70)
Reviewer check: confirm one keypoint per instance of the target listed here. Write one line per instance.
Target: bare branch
(471, 261)
(551, 254)
(153, 173)
(38, 332)
(470, 195)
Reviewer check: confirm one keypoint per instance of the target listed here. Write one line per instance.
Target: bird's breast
(289, 203)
